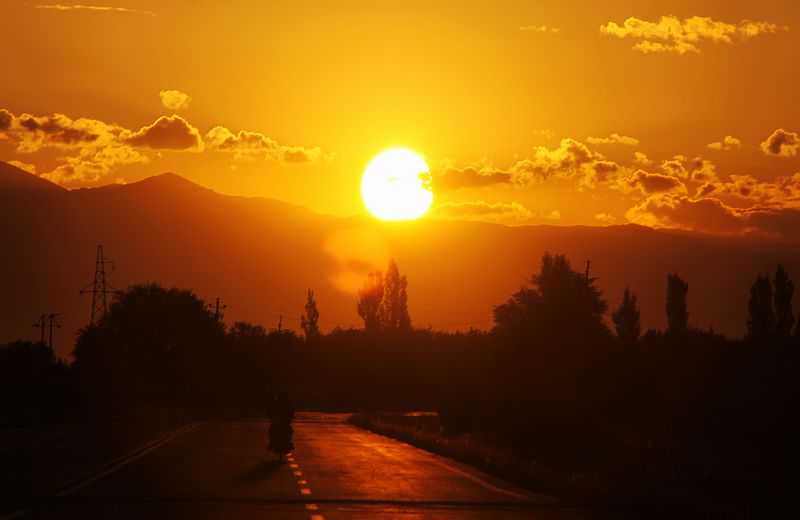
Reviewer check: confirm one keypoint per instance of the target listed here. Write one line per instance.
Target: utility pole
(52, 321)
(588, 263)
(47, 320)
(280, 322)
(41, 324)
(99, 287)
(216, 306)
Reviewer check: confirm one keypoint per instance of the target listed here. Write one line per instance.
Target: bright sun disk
(397, 185)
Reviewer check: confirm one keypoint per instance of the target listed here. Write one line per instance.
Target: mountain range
(260, 255)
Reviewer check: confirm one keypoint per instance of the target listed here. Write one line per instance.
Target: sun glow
(397, 185)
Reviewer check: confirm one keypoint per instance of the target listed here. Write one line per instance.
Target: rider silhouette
(281, 414)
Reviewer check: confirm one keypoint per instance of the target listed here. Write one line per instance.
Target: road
(215, 469)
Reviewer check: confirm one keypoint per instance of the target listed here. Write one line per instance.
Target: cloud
(781, 192)
(174, 99)
(89, 149)
(539, 29)
(568, 160)
(249, 146)
(710, 215)
(452, 177)
(6, 118)
(97, 8)
(782, 142)
(671, 34)
(168, 132)
(654, 182)
(641, 158)
(510, 213)
(30, 168)
(614, 139)
(728, 143)
(56, 131)
(606, 218)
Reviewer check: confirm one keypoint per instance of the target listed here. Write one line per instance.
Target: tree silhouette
(782, 302)
(394, 305)
(761, 317)
(165, 339)
(26, 361)
(677, 313)
(559, 304)
(369, 302)
(626, 319)
(308, 321)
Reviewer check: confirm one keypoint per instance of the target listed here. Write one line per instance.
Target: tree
(761, 317)
(626, 319)
(394, 305)
(26, 361)
(163, 339)
(677, 313)
(369, 302)
(782, 302)
(309, 320)
(559, 305)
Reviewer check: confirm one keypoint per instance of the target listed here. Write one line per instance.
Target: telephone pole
(99, 287)
(41, 325)
(217, 306)
(47, 320)
(52, 320)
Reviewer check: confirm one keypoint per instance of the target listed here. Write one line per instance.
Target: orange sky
(679, 114)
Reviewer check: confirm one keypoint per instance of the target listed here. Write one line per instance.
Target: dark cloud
(710, 215)
(58, 129)
(654, 182)
(782, 142)
(168, 132)
(6, 118)
(245, 145)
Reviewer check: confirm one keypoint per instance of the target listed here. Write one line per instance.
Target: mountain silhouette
(260, 255)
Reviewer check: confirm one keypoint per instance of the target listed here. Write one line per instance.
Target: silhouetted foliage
(677, 313)
(560, 305)
(369, 302)
(27, 361)
(626, 319)
(308, 321)
(163, 341)
(394, 305)
(761, 317)
(782, 301)
(383, 302)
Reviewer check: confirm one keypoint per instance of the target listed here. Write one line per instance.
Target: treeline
(680, 416)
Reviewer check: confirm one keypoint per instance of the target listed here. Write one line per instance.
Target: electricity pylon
(99, 287)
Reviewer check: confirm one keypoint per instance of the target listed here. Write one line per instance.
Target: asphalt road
(216, 469)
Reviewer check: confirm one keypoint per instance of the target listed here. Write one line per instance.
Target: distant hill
(260, 255)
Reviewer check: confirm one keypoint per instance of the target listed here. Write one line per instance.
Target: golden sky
(680, 114)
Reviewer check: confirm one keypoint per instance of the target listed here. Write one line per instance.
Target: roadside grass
(427, 432)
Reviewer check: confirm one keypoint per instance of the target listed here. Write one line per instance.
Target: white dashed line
(312, 507)
(297, 473)
(301, 482)
(305, 491)
(317, 517)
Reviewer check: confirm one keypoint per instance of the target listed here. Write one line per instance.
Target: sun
(397, 185)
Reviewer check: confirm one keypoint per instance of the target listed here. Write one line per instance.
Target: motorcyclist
(281, 414)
